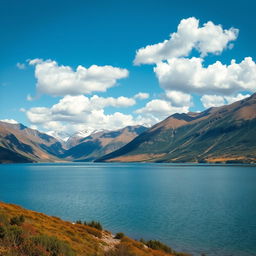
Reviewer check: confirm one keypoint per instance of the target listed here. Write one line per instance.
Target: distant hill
(19, 143)
(101, 143)
(221, 134)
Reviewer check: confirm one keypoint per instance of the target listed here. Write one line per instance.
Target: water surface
(193, 208)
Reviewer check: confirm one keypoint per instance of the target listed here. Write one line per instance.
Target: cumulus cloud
(156, 110)
(181, 75)
(209, 38)
(239, 96)
(21, 66)
(121, 101)
(217, 100)
(189, 75)
(74, 113)
(141, 96)
(73, 105)
(59, 80)
(179, 99)
(209, 101)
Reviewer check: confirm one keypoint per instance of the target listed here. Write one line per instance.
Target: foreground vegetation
(29, 233)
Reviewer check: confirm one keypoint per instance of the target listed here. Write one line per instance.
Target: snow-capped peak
(61, 136)
(9, 121)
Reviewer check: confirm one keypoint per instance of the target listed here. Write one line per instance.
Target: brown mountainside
(221, 134)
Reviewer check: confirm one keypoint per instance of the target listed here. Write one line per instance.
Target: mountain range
(19, 143)
(219, 134)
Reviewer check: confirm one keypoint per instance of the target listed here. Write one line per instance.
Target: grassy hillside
(28, 233)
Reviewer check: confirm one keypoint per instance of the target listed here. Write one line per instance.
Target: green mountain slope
(223, 134)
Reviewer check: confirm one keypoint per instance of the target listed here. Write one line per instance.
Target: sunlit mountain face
(219, 135)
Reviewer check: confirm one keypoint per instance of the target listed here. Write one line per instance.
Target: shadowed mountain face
(222, 134)
(19, 143)
(101, 143)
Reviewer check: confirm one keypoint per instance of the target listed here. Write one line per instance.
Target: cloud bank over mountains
(189, 75)
(179, 64)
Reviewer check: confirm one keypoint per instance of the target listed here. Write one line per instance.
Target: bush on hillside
(19, 241)
(53, 245)
(17, 220)
(119, 235)
(157, 245)
(94, 224)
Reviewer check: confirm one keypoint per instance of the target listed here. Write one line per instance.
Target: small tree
(94, 224)
(119, 235)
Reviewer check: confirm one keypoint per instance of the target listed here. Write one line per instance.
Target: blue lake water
(192, 208)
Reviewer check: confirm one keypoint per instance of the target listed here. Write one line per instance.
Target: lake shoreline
(195, 208)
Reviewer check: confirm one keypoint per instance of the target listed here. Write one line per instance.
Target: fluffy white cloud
(39, 115)
(58, 80)
(209, 101)
(189, 75)
(74, 105)
(209, 38)
(217, 100)
(10, 121)
(141, 96)
(75, 113)
(239, 96)
(100, 102)
(156, 110)
(179, 99)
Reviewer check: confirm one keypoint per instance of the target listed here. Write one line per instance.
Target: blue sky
(86, 33)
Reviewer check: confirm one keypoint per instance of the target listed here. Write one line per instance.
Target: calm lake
(192, 208)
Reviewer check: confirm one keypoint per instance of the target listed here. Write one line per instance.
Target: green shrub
(156, 245)
(119, 235)
(4, 219)
(2, 232)
(17, 220)
(15, 235)
(78, 222)
(94, 224)
(54, 246)
(29, 248)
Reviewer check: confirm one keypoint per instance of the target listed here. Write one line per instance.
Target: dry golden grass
(84, 240)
